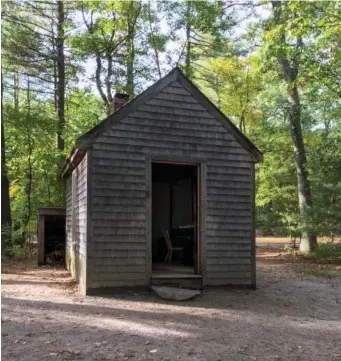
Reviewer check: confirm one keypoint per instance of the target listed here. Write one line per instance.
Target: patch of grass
(327, 252)
(319, 272)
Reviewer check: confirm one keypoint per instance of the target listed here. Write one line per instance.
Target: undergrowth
(319, 272)
(321, 260)
(325, 253)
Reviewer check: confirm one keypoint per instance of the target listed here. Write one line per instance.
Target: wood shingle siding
(108, 195)
(76, 227)
(68, 221)
(172, 123)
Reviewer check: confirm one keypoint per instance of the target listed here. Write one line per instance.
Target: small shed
(51, 235)
(162, 192)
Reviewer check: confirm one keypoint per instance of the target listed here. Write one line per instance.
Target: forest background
(274, 68)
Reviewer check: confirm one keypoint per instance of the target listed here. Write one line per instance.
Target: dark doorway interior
(54, 239)
(174, 209)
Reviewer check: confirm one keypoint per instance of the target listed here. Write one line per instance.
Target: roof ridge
(175, 75)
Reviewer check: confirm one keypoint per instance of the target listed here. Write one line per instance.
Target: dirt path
(286, 318)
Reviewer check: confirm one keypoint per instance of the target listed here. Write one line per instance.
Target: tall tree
(287, 95)
(60, 39)
(288, 50)
(104, 40)
(131, 13)
(6, 219)
(37, 50)
(201, 27)
(156, 40)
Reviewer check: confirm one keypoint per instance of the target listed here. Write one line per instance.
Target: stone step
(175, 294)
(193, 282)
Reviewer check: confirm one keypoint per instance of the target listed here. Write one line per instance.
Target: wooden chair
(170, 247)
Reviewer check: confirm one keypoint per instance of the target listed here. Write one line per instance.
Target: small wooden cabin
(166, 162)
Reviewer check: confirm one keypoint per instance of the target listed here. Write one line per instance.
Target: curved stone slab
(175, 294)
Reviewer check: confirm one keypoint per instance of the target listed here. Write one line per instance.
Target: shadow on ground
(286, 318)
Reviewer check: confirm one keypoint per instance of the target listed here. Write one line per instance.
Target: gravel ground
(288, 317)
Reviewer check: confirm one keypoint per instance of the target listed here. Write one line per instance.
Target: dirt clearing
(289, 317)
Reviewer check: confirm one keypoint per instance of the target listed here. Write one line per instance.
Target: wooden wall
(172, 124)
(76, 223)
(69, 253)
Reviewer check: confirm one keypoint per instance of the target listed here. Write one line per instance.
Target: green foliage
(6, 238)
(200, 28)
(33, 162)
(233, 84)
(327, 252)
(84, 112)
(136, 43)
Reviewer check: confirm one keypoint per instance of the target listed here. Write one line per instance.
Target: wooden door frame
(200, 217)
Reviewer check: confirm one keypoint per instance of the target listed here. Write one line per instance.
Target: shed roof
(85, 141)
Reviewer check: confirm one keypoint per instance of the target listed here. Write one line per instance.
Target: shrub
(330, 252)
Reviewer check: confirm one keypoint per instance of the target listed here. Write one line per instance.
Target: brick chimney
(120, 99)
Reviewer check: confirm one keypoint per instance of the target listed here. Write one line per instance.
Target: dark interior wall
(182, 212)
(54, 233)
(182, 203)
(160, 210)
(172, 204)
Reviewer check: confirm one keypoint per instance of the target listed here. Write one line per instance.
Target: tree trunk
(188, 41)
(6, 220)
(308, 240)
(132, 20)
(61, 75)
(16, 91)
(242, 127)
(99, 82)
(290, 70)
(130, 88)
(108, 78)
(152, 32)
(157, 60)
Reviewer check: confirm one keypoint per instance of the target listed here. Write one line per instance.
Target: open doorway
(175, 218)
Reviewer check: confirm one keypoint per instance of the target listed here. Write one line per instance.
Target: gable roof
(84, 142)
